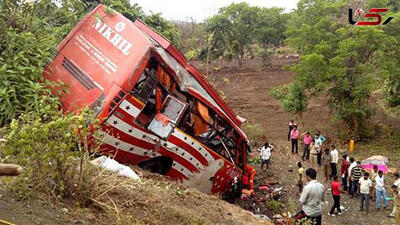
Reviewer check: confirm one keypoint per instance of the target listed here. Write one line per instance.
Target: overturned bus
(156, 110)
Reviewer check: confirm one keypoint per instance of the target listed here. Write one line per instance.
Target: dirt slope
(154, 200)
(247, 92)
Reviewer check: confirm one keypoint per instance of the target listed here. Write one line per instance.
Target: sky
(199, 10)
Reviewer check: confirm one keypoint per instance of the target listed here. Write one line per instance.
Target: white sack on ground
(114, 166)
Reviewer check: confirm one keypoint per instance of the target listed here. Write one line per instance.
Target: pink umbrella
(370, 167)
(378, 160)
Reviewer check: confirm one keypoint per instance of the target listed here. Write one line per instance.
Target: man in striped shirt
(356, 174)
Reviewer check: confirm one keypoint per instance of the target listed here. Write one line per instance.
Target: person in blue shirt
(319, 140)
(323, 139)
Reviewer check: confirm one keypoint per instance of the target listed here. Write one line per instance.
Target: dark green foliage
(292, 97)
(53, 149)
(269, 31)
(347, 62)
(238, 26)
(29, 35)
(166, 28)
(389, 61)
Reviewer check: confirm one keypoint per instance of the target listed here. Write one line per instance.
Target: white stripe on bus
(190, 141)
(181, 169)
(129, 108)
(134, 132)
(121, 145)
(183, 154)
(131, 130)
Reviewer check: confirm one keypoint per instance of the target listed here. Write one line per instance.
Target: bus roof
(167, 45)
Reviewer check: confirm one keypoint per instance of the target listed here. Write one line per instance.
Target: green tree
(192, 38)
(233, 29)
(389, 60)
(30, 33)
(217, 27)
(337, 58)
(166, 28)
(269, 30)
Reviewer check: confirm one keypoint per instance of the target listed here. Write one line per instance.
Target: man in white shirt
(312, 198)
(335, 159)
(364, 188)
(380, 190)
(265, 153)
(353, 164)
(318, 146)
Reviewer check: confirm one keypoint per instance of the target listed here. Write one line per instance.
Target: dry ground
(155, 200)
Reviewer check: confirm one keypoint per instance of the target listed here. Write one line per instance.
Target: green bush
(192, 54)
(30, 33)
(266, 55)
(53, 149)
(256, 134)
(292, 97)
(254, 161)
(274, 206)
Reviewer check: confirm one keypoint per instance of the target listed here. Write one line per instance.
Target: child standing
(365, 187)
(265, 155)
(336, 196)
(300, 172)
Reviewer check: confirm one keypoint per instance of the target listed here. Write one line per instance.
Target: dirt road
(284, 161)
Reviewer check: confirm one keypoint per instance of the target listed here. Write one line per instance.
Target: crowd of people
(324, 158)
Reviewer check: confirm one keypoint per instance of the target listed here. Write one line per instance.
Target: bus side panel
(192, 161)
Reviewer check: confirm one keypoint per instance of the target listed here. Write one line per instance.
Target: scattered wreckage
(156, 110)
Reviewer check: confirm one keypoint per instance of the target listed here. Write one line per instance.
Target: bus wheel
(159, 164)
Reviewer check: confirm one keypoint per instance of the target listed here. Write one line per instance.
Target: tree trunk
(240, 61)
(208, 61)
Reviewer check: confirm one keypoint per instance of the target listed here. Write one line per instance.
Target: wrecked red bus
(156, 110)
